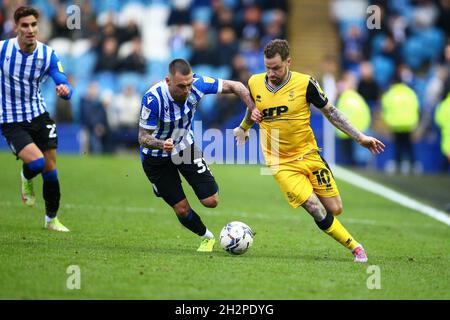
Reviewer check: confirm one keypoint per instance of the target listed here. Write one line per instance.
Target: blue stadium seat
(201, 14)
(156, 69)
(107, 81)
(385, 69)
(413, 52)
(104, 6)
(84, 66)
(48, 93)
(433, 40)
(67, 63)
(222, 72)
(204, 70)
(184, 52)
(377, 44)
(344, 27)
(45, 6)
(131, 78)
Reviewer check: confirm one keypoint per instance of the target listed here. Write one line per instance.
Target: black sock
(193, 223)
(326, 222)
(51, 193)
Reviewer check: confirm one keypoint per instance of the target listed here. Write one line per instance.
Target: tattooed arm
(147, 140)
(239, 90)
(340, 121)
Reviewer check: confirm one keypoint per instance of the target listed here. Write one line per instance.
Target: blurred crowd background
(393, 80)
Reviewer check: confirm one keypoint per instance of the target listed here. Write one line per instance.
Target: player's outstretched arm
(147, 140)
(252, 114)
(238, 88)
(340, 121)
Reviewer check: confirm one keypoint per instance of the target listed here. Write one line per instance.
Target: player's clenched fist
(62, 90)
(241, 135)
(168, 145)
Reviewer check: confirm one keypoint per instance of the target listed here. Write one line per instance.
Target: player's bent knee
(211, 202)
(182, 208)
(337, 209)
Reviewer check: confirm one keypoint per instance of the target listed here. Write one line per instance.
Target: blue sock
(33, 168)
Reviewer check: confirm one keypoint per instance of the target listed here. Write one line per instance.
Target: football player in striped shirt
(25, 123)
(167, 142)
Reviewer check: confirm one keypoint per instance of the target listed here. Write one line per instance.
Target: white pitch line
(390, 194)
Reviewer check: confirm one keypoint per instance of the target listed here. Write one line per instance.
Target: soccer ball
(236, 237)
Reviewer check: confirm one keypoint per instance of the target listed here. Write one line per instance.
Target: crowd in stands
(121, 47)
(400, 58)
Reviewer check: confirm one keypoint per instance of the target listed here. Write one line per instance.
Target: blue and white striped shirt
(21, 75)
(168, 119)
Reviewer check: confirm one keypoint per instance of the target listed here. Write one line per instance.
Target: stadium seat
(133, 78)
(344, 27)
(131, 10)
(201, 14)
(80, 47)
(433, 41)
(156, 69)
(413, 52)
(223, 72)
(84, 65)
(385, 70)
(62, 46)
(67, 63)
(377, 44)
(108, 80)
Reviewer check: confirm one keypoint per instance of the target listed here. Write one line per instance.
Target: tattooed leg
(315, 208)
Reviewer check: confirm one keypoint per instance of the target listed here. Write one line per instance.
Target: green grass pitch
(128, 244)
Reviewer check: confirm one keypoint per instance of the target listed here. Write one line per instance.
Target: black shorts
(163, 173)
(40, 130)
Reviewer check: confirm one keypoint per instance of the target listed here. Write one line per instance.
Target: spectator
(353, 48)
(353, 106)
(251, 26)
(180, 13)
(227, 47)
(94, 120)
(400, 109)
(442, 118)
(129, 32)
(201, 50)
(367, 87)
(123, 111)
(135, 61)
(59, 25)
(444, 17)
(123, 115)
(108, 60)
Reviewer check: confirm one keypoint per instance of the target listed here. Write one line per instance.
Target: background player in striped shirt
(167, 142)
(31, 134)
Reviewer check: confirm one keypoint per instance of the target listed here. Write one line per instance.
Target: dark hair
(25, 12)
(181, 66)
(277, 46)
